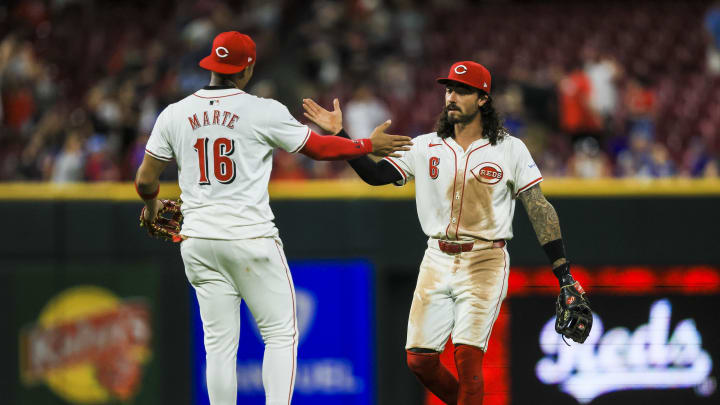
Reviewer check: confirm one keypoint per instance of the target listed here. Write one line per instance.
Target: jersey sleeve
(159, 145)
(405, 164)
(282, 130)
(527, 174)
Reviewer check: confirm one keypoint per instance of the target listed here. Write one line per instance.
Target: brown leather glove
(166, 225)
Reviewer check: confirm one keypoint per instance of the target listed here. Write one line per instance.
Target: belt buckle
(450, 247)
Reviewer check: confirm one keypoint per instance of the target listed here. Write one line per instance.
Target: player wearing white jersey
(222, 139)
(468, 176)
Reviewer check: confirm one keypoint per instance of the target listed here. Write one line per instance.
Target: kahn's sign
(619, 359)
(88, 346)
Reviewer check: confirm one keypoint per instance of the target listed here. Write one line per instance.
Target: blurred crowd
(623, 89)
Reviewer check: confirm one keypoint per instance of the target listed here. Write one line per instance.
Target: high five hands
(384, 144)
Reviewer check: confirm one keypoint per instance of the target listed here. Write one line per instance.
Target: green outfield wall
(89, 236)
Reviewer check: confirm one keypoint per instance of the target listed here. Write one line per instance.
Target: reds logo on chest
(487, 172)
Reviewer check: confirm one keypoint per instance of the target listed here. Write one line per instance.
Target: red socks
(433, 375)
(468, 360)
(467, 390)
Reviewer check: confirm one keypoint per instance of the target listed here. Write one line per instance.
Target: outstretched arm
(371, 171)
(320, 147)
(379, 144)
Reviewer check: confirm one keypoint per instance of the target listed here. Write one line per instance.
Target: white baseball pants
(223, 272)
(459, 294)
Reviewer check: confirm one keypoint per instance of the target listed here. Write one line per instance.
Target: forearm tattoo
(542, 215)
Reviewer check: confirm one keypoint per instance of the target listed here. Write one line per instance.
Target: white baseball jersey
(222, 140)
(467, 194)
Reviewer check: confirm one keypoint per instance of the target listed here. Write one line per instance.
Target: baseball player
(467, 175)
(222, 139)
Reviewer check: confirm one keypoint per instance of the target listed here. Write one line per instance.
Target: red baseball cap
(471, 73)
(231, 53)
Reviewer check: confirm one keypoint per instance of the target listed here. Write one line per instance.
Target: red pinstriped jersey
(223, 140)
(467, 194)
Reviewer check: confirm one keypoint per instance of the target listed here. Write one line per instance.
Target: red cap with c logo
(231, 53)
(470, 73)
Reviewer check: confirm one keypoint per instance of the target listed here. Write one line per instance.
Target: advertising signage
(650, 357)
(88, 337)
(88, 346)
(336, 353)
(655, 339)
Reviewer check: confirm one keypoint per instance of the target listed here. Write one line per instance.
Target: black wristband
(562, 272)
(343, 134)
(555, 249)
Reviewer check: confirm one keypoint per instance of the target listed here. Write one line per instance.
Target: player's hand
(150, 213)
(162, 219)
(328, 121)
(388, 145)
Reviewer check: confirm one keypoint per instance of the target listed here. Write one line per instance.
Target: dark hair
(493, 128)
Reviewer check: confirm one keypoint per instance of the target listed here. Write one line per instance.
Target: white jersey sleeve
(159, 145)
(405, 164)
(282, 130)
(526, 173)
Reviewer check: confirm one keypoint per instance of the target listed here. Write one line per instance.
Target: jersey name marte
(467, 194)
(222, 141)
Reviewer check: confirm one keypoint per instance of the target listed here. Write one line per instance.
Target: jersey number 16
(224, 166)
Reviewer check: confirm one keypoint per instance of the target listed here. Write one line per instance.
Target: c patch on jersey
(487, 172)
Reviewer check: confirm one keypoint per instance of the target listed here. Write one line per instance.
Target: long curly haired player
(468, 175)
(223, 139)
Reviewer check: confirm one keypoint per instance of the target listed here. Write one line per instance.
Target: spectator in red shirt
(576, 115)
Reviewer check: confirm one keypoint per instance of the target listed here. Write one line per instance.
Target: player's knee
(280, 339)
(422, 362)
(279, 332)
(221, 344)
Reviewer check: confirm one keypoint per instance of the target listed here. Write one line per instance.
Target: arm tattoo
(542, 215)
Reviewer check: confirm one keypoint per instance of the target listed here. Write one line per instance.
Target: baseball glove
(166, 225)
(574, 316)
